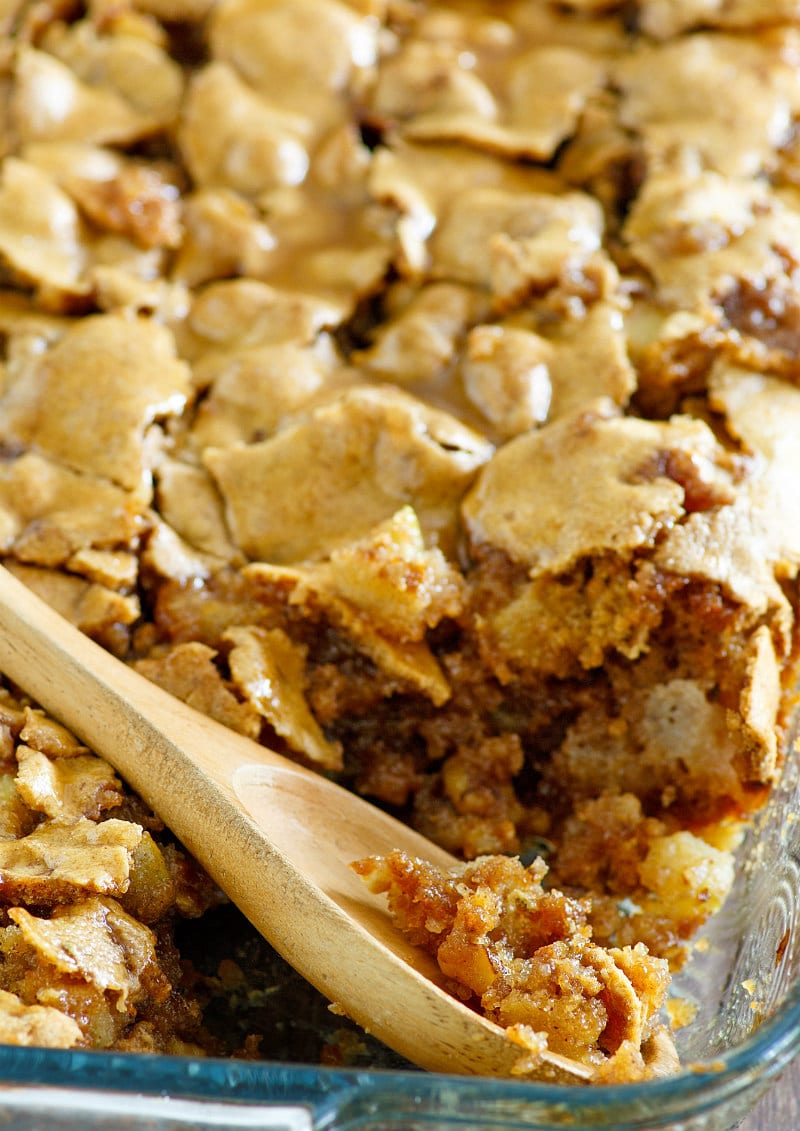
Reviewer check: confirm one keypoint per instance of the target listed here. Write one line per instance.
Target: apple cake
(414, 388)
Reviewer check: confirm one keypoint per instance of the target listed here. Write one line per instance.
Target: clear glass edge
(329, 1092)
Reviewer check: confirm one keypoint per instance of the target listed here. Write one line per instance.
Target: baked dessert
(92, 891)
(413, 387)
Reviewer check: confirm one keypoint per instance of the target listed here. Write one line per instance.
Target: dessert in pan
(412, 388)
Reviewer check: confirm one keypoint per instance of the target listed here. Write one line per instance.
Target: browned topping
(138, 202)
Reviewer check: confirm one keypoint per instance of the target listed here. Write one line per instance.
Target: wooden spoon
(277, 838)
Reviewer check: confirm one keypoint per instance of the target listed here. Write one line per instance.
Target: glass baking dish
(743, 980)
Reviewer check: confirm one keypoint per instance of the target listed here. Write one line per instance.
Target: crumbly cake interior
(92, 888)
(412, 387)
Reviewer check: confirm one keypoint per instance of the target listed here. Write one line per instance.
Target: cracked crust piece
(134, 376)
(339, 470)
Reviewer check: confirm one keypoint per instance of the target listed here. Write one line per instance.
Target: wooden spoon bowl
(277, 838)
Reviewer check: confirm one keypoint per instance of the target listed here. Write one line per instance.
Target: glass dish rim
(706, 1085)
